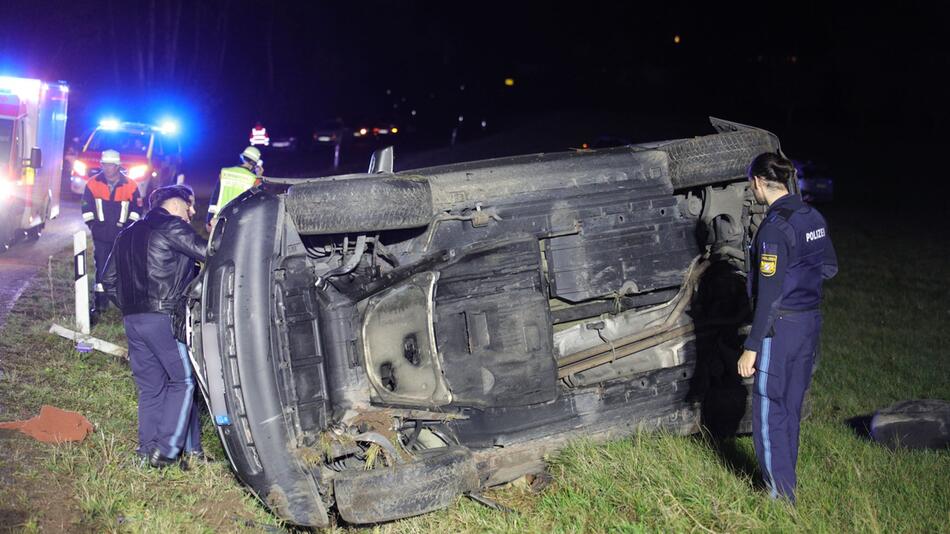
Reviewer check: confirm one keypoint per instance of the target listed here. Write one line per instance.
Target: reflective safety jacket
(108, 209)
(232, 182)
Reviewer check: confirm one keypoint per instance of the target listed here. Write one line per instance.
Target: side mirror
(36, 157)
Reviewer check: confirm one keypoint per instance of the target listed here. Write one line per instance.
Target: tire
(359, 205)
(34, 233)
(430, 483)
(716, 158)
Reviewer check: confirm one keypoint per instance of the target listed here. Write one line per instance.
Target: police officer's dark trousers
(165, 383)
(783, 373)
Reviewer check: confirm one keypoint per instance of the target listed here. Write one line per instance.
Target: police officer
(792, 254)
(150, 267)
(235, 180)
(110, 202)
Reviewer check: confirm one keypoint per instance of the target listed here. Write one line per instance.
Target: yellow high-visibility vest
(234, 181)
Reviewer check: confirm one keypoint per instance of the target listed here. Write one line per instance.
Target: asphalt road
(20, 264)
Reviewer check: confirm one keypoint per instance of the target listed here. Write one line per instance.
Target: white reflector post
(82, 282)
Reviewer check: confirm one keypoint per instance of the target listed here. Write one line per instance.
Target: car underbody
(380, 344)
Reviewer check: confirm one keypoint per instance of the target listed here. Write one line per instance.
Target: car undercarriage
(376, 345)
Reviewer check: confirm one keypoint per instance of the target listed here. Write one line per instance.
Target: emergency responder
(150, 267)
(792, 254)
(110, 202)
(235, 180)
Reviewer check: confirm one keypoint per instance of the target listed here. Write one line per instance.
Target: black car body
(379, 344)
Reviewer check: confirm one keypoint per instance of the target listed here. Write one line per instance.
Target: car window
(123, 142)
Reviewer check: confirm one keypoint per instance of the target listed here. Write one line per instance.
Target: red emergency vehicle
(32, 131)
(150, 154)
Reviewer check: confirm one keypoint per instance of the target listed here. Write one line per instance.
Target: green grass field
(886, 318)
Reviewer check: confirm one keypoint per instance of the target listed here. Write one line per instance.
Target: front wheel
(34, 233)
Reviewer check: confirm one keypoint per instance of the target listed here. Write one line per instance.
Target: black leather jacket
(152, 263)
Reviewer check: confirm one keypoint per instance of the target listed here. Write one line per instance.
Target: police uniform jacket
(791, 255)
(108, 209)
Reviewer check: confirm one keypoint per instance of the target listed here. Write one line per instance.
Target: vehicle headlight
(138, 171)
(79, 168)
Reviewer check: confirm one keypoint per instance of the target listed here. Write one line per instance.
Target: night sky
(221, 65)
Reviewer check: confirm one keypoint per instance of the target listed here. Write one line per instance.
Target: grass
(884, 339)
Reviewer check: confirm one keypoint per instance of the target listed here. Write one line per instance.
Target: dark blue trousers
(783, 374)
(165, 384)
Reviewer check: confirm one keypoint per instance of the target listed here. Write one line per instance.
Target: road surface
(21, 263)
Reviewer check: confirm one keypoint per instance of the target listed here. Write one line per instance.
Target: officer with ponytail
(791, 256)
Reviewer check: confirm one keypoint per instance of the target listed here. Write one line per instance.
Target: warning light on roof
(509, 82)
(109, 124)
(168, 127)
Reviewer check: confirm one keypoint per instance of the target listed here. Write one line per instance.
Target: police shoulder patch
(768, 264)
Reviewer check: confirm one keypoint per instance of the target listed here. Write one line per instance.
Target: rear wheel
(34, 233)
(359, 205)
(716, 158)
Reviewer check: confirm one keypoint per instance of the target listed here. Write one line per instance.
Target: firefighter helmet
(110, 156)
(251, 155)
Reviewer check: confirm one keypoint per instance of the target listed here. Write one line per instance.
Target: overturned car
(380, 344)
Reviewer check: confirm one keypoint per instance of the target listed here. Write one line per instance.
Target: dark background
(857, 86)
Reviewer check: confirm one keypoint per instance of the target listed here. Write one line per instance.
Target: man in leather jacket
(151, 265)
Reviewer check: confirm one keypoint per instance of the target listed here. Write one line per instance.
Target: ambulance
(32, 132)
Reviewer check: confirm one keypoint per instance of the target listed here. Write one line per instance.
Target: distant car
(813, 181)
(330, 133)
(151, 155)
(285, 142)
(379, 344)
(375, 131)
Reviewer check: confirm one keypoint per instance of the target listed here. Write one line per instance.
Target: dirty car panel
(440, 330)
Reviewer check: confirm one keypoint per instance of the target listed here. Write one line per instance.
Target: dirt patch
(32, 495)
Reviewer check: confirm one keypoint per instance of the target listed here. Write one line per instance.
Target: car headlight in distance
(138, 171)
(79, 168)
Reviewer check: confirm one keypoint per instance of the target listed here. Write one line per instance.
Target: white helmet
(251, 154)
(110, 156)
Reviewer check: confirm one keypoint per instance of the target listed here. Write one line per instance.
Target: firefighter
(792, 255)
(110, 202)
(235, 180)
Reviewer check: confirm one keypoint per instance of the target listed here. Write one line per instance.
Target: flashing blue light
(109, 124)
(169, 127)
